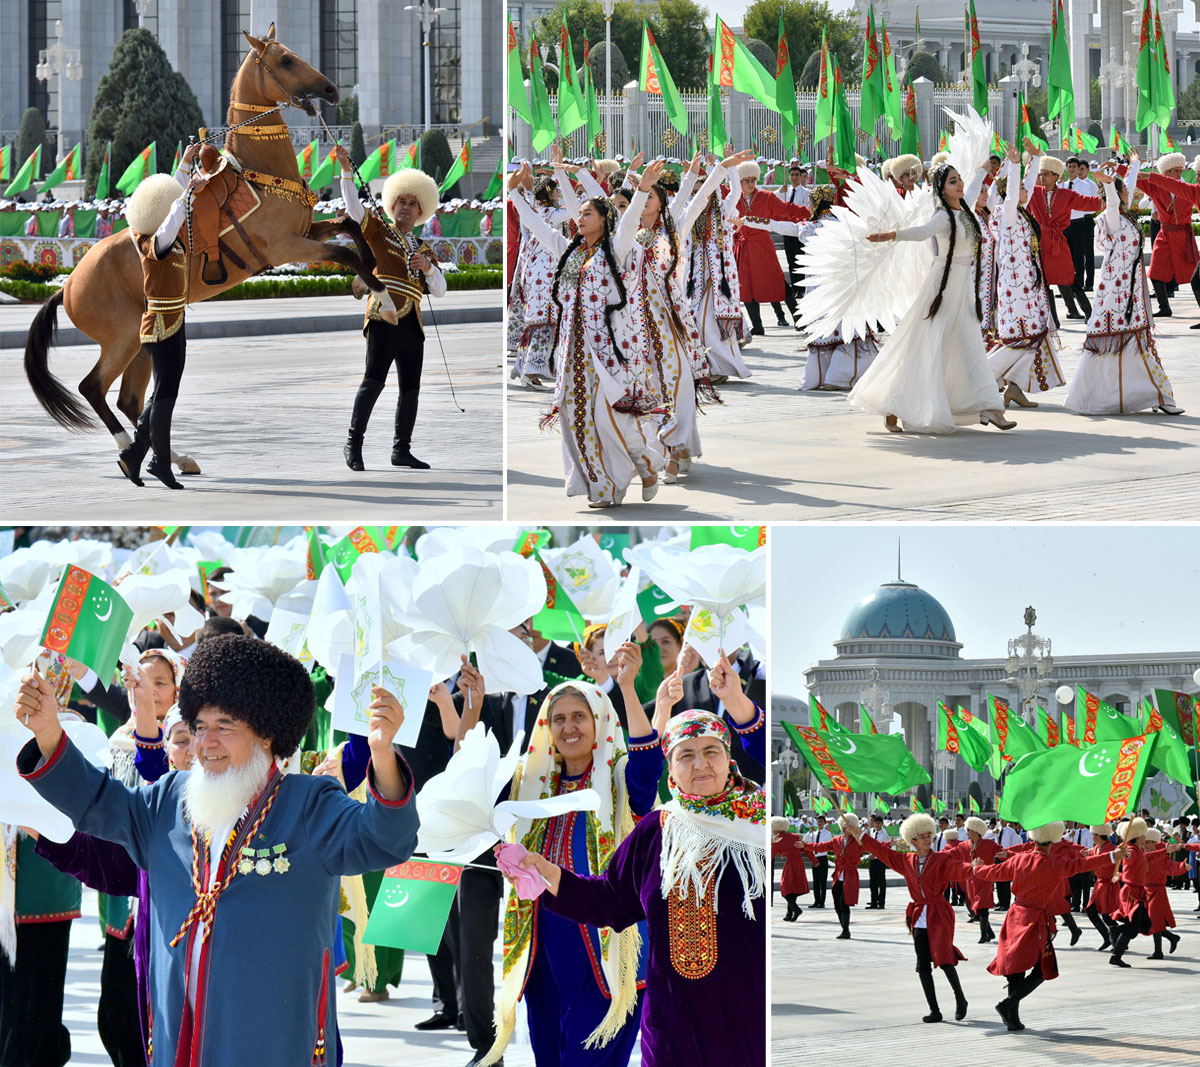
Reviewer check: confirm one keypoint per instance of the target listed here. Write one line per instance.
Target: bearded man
(244, 862)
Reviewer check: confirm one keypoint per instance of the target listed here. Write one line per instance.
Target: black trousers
(166, 364)
(840, 906)
(792, 248)
(1003, 894)
(31, 998)
(820, 882)
(117, 1015)
(476, 917)
(1087, 251)
(878, 875)
(403, 346)
(1081, 889)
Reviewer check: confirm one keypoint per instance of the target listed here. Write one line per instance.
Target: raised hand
(387, 716)
(37, 709)
(733, 159)
(471, 682)
(629, 662)
(651, 175)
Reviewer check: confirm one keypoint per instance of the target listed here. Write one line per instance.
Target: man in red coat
(759, 273)
(1174, 256)
(847, 851)
(793, 882)
(980, 900)
(1051, 207)
(1104, 900)
(1028, 930)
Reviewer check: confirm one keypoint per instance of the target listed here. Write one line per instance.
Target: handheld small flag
(314, 562)
(358, 542)
(528, 544)
(88, 621)
(747, 537)
(413, 905)
(559, 618)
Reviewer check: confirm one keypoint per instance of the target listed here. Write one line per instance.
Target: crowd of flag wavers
(252, 798)
(926, 289)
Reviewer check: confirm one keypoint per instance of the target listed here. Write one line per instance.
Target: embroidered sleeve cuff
(756, 723)
(30, 764)
(143, 742)
(405, 774)
(644, 744)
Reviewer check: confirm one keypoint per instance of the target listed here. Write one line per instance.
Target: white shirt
(1084, 187)
(1009, 836)
(520, 701)
(939, 841)
(216, 846)
(1083, 836)
(795, 194)
(882, 836)
(920, 861)
(817, 837)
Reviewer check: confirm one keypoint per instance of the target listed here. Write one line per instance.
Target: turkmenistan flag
(872, 98)
(1171, 754)
(27, 175)
(1025, 126)
(594, 126)
(1101, 721)
(543, 118)
(821, 719)
(821, 804)
(747, 537)
(736, 68)
(1117, 143)
(979, 88)
(846, 805)
(206, 567)
(938, 805)
(6, 153)
(528, 544)
(654, 78)
(881, 806)
(973, 805)
(393, 537)
(6, 602)
(785, 93)
(67, 171)
(823, 125)
(178, 156)
(858, 763)
(572, 107)
(960, 808)
(306, 159)
(866, 725)
(1100, 784)
(102, 180)
(1011, 736)
(894, 96)
(1164, 91)
(496, 186)
(1147, 73)
(461, 168)
(559, 617)
(380, 163)
(649, 600)
(844, 139)
(412, 906)
(1085, 142)
(140, 168)
(358, 542)
(517, 98)
(88, 621)
(910, 139)
(1069, 724)
(314, 560)
(1165, 141)
(1060, 90)
(1047, 729)
(916, 805)
(956, 734)
(1182, 711)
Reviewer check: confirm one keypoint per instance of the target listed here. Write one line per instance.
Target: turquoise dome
(898, 610)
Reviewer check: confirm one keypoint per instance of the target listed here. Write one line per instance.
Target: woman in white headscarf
(581, 984)
(695, 873)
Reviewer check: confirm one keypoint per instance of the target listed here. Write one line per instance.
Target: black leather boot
(406, 419)
(935, 1013)
(960, 1000)
(130, 458)
(364, 404)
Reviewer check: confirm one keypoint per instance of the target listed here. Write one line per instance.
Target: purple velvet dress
(706, 996)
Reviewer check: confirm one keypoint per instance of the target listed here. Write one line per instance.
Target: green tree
(763, 53)
(31, 134)
(358, 147)
(436, 157)
(140, 99)
(803, 21)
(1094, 99)
(599, 65)
(924, 65)
(973, 790)
(1187, 106)
(346, 112)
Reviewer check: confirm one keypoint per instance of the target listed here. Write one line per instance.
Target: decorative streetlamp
(1027, 71)
(428, 16)
(876, 699)
(142, 7)
(1029, 664)
(54, 62)
(609, 6)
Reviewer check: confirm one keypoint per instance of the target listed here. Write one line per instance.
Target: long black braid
(1135, 273)
(940, 176)
(601, 205)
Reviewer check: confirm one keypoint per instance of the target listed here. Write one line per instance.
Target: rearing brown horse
(103, 296)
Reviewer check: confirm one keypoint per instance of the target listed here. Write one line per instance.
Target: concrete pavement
(772, 453)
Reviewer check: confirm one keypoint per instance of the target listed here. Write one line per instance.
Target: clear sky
(1096, 589)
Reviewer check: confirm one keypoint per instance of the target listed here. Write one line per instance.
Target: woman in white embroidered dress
(932, 373)
(1120, 371)
(602, 395)
(1025, 357)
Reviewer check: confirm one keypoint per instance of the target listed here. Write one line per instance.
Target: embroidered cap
(694, 724)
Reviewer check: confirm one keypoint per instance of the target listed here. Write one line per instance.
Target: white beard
(215, 801)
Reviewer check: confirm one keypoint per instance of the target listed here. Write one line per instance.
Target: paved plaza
(265, 416)
(859, 1002)
(774, 453)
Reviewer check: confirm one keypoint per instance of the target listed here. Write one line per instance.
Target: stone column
(926, 120)
(482, 37)
(1006, 123)
(738, 125)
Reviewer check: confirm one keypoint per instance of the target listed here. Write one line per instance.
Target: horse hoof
(187, 465)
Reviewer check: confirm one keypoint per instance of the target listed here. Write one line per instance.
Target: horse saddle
(207, 206)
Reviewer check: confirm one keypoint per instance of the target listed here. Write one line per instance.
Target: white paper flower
(459, 816)
(21, 629)
(717, 577)
(485, 538)
(587, 574)
(153, 596)
(261, 576)
(27, 571)
(330, 633)
(465, 601)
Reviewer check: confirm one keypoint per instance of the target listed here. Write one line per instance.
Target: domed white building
(903, 633)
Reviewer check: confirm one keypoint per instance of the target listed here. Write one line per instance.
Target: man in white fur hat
(1174, 256)
(394, 335)
(905, 172)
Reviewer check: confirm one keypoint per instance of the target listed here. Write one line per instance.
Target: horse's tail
(60, 405)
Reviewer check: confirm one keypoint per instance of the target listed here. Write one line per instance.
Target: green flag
(142, 166)
(823, 126)
(314, 562)
(893, 96)
(1098, 784)
(594, 126)
(461, 168)
(6, 154)
(1099, 721)
(1182, 711)
(844, 141)
(881, 806)
(1011, 736)
(307, 158)
(648, 600)
(178, 157)
(1117, 143)
(973, 805)
(6, 602)
(910, 139)
(955, 736)
(960, 808)
(979, 87)
(654, 78)
(325, 172)
(380, 163)
(821, 804)
(1060, 91)
(358, 542)
(88, 621)
(412, 906)
(872, 99)
(1170, 754)
(1164, 91)
(1025, 126)
(747, 537)
(821, 719)
(559, 618)
(518, 99)
(67, 171)
(543, 119)
(27, 175)
(938, 805)
(529, 544)
(717, 136)
(785, 93)
(1047, 729)
(572, 108)
(789, 809)
(858, 763)
(915, 804)
(495, 187)
(735, 67)
(866, 725)
(1147, 74)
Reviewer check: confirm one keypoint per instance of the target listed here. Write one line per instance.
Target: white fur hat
(749, 169)
(151, 202)
(1170, 161)
(950, 834)
(859, 160)
(885, 171)
(901, 165)
(779, 824)
(411, 182)
(1196, 164)
(975, 823)
(1048, 834)
(848, 820)
(1053, 164)
(1131, 833)
(1153, 836)
(917, 823)
(1104, 829)
(938, 159)
(607, 166)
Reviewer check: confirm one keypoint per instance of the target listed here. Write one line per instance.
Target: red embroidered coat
(1174, 254)
(1105, 896)
(846, 852)
(926, 889)
(979, 893)
(794, 878)
(1053, 214)
(1160, 867)
(759, 273)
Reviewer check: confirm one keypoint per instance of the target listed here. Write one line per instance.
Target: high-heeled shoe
(1014, 395)
(671, 476)
(685, 464)
(997, 419)
(892, 424)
